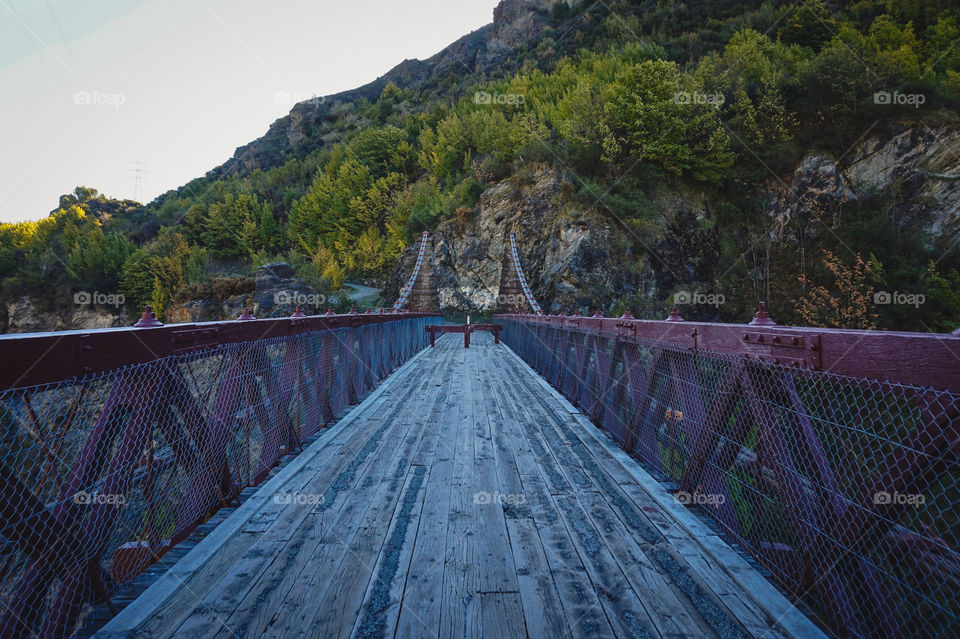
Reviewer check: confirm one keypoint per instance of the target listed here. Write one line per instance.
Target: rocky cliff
(914, 168)
(579, 257)
(25, 316)
(569, 252)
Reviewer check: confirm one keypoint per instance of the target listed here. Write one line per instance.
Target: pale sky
(89, 87)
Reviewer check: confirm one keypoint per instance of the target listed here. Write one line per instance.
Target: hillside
(727, 152)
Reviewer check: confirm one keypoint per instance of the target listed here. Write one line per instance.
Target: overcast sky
(90, 88)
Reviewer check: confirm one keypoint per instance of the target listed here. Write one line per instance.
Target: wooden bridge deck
(463, 498)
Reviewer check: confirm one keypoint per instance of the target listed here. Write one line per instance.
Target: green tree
(97, 259)
(230, 229)
(657, 119)
(808, 24)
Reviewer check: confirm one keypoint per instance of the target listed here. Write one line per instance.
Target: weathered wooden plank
(500, 615)
(668, 606)
(460, 576)
(676, 523)
(248, 595)
(583, 614)
(420, 605)
(496, 570)
(339, 562)
(542, 608)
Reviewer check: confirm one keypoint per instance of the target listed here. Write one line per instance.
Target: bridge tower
(515, 295)
(419, 294)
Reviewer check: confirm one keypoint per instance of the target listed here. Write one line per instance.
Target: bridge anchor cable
(523, 280)
(408, 287)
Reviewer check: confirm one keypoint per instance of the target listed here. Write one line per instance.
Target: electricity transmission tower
(138, 175)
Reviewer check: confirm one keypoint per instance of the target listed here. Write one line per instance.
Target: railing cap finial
(148, 319)
(674, 315)
(762, 318)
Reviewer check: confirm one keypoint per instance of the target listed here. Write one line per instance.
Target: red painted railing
(116, 443)
(831, 456)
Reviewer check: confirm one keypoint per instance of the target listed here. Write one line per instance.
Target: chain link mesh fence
(102, 475)
(846, 489)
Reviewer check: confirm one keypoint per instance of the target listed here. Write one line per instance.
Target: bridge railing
(830, 456)
(115, 444)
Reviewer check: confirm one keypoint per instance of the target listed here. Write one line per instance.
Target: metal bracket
(193, 339)
(85, 355)
(799, 350)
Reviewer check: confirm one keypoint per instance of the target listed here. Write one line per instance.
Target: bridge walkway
(462, 498)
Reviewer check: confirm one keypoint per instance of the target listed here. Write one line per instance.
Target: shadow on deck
(463, 498)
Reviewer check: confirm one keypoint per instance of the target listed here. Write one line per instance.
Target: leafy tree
(156, 271)
(809, 24)
(651, 124)
(97, 259)
(382, 151)
(848, 303)
(230, 229)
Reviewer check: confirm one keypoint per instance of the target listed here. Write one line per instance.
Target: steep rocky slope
(578, 258)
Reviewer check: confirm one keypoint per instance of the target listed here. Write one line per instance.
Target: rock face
(567, 253)
(915, 170)
(278, 292)
(24, 317)
(207, 310)
(918, 167)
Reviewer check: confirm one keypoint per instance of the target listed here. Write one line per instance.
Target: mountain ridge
(481, 50)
